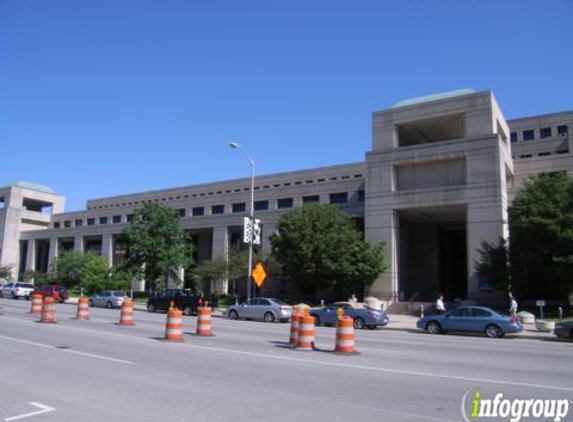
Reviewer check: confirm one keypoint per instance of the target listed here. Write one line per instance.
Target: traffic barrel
(344, 335)
(204, 321)
(48, 310)
(83, 309)
(126, 316)
(305, 333)
(36, 303)
(174, 326)
(294, 329)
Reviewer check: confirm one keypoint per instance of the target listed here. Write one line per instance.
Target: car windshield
(278, 301)
(25, 285)
(118, 293)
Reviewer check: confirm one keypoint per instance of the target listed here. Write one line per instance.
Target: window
(310, 199)
(79, 223)
(56, 224)
(528, 135)
(103, 220)
(198, 211)
(545, 132)
(67, 224)
(218, 209)
(181, 212)
(261, 205)
(129, 218)
(463, 312)
(239, 207)
(513, 136)
(360, 196)
(91, 221)
(116, 219)
(285, 203)
(562, 130)
(339, 198)
(481, 313)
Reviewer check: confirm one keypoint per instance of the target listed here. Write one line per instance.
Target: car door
(480, 318)
(457, 320)
(263, 306)
(7, 289)
(329, 315)
(249, 308)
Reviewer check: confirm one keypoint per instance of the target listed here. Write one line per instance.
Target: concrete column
(107, 248)
(386, 230)
(79, 243)
(269, 229)
(31, 255)
(53, 251)
(220, 247)
(176, 282)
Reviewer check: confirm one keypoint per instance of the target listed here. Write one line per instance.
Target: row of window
(195, 195)
(239, 207)
(544, 132)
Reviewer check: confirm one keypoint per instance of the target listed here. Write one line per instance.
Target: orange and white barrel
(204, 321)
(36, 303)
(48, 310)
(294, 329)
(344, 335)
(305, 333)
(174, 326)
(83, 309)
(126, 316)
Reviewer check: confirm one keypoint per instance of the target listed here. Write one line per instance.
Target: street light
(235, 145)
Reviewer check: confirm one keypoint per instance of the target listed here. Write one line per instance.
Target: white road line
(73, 352)
(43, 407)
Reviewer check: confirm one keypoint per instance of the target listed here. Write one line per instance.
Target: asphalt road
(98, 371)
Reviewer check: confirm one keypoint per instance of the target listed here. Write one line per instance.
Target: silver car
(263, 308)
(16, 290)
(108, 298)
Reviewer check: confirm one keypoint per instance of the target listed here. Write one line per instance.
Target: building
(436, 183)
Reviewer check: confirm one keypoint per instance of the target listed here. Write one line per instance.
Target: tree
(318, 247)
(67, 268)
(6, 272)
(95, 273)
(222, 269)
(155, 243)
(541, 241)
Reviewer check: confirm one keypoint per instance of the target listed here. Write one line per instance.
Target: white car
(17, 290)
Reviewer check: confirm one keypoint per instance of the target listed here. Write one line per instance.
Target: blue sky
(108, 97)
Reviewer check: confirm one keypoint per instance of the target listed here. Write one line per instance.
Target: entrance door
(453, 261)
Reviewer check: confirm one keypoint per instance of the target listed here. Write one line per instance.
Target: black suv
(182, 299)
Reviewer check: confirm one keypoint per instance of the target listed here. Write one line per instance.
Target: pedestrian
(440, 307)
(513, 308)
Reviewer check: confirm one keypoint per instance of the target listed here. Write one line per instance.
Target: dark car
(182, 299)
(564, 330)
(362, 315)
(475, 319)
(58, 293)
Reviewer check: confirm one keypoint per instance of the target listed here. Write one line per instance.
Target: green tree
(155, 244)
(95, 273)
(67, 268)
(318, 247)
(6, 272)
(231, 268)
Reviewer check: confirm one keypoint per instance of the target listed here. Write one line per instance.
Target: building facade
(438, 181)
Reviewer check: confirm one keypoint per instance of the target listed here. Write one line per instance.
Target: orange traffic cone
(126, 316)
(294, 329)
(174, 326)
(344, 336)
(36, 304)
(305, 333)
(48, 310)
(204, 321)
(83, 309)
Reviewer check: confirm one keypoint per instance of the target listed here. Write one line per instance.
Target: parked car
(16, 290)
(183, 299)
(474, 319)
(363, 316)
(263, 308)
(108, 298)
(58, 293)
(564, 330)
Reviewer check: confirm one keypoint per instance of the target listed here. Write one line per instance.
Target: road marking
(73, 352)
(43, 407)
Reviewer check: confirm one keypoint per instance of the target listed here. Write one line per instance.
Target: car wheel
(14, 296)
(371, 327)
(91, 303)
(188, 311)
(151, 307)
(269, 317)
(571, 335)
(493, 331)
(233, 314)
(358, 323)
(434, 327)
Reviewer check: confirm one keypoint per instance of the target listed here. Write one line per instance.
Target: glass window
(310, 199)
(339, 198)
(103, 220)
(67, 224)
(285, 203)
(562, 130)
(129, 218)
(91, 221)
(545, 132)
(360, 196)
(198, 211)
(261, 205)
(264, 302)
(79, 223)
(56, 224)
(463, 312)
(513, 136)
(481, 313)
(117, 219)
(181, 212)
(218, 209)
(239, 207)
(528, 135)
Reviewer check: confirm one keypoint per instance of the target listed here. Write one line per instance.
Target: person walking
(440, 307)
(512, 308)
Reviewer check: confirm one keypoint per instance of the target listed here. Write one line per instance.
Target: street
(96, 370)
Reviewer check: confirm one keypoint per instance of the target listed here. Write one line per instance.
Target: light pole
(235, 145)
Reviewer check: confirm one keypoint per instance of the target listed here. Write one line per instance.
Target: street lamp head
(234, 145)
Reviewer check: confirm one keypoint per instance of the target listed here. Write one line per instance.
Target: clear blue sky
(108, 97)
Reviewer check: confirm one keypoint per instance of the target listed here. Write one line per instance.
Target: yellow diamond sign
(259, 274)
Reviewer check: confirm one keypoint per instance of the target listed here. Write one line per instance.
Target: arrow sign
(43, 407)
